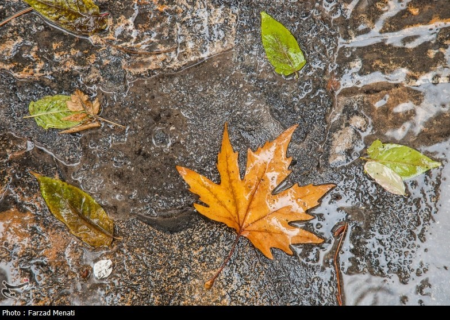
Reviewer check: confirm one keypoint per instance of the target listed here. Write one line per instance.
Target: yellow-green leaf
(84, 217)
(281, 47)
(77, 16)
(50, 111)
(403, 160)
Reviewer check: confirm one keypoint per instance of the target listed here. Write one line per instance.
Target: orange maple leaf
(249, 206)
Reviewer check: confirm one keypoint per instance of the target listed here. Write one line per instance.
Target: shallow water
(389, 81)
(405, 271)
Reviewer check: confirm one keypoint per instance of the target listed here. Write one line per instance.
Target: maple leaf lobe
(248, 205)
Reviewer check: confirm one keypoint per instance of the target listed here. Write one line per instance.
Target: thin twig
(96, 116)
(336, 266)
(103, 119)
(210, 282)
(16, 15)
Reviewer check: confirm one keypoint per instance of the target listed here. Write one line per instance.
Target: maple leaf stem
(336, 265)
(15, 16)
(210, 282)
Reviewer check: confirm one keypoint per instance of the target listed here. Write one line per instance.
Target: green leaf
(403, 160)
(385, 177)
(50, 111)
(84, 217)
(281, 48)
(77, 16)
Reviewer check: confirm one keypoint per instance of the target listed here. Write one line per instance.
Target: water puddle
(404, 104)
(429, 277)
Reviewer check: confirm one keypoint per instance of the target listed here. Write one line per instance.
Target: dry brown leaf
(74, 104)
(74, 113)
(80, 102)
(95, 106)
(248, 205)
(77, 117)
(82, 127)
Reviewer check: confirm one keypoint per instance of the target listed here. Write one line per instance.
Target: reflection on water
(416, 272)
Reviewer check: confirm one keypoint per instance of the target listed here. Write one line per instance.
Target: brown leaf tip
(35, 174)
(339, 230)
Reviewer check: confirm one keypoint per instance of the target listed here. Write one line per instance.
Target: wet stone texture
(375, 70)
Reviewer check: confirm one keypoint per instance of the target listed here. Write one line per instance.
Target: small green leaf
(50, 111)
(385, 177)
(403, 160)
(281, 48)
(77, 16)
(84, 217)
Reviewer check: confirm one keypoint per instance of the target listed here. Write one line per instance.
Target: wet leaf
(404, 161)
(80, 102)
(77, 117)
(281, 47)
(77, 16)
(52, 112)
(248, 205)
(84, 217)
(75, 113)
(385, 177)
(82, 127)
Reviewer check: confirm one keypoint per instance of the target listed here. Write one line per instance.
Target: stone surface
(375, 70)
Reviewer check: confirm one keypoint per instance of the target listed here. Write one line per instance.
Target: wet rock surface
(375, 70)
